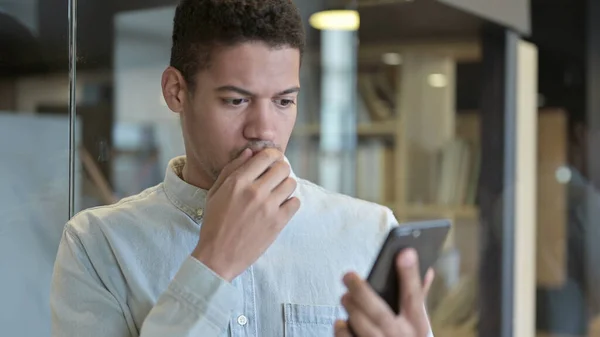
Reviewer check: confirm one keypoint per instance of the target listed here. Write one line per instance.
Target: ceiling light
(437, 80)
(335, 20)
(392, 59)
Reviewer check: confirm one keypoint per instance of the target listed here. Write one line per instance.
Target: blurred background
(483, 112)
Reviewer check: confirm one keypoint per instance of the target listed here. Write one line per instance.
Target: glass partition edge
(72, 101)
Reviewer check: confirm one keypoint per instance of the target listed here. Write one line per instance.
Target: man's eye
(284, 102)
(235, 101)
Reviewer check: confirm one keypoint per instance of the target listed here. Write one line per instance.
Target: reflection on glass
(568, 300)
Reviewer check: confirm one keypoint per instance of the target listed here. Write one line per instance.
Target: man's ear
(174, 89)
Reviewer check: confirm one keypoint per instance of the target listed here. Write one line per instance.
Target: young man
(231, 243)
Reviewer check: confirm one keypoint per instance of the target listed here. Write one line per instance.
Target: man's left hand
(369, 315)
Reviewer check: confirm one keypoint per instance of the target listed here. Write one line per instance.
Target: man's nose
(260, 124)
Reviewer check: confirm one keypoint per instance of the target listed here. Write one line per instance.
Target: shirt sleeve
(197, 302)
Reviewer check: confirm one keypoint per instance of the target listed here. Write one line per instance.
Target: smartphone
(426, 237)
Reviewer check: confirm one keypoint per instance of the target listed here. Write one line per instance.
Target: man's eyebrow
(233, 88)
(288, 91)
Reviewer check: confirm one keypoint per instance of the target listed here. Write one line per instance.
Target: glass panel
(34, 176)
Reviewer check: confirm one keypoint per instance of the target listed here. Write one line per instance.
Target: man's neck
(194, 176)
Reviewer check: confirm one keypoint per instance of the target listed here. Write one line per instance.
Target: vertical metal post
(508, 217)
(72, 101)
(494, 193)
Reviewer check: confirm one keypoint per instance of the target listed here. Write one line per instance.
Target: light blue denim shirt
(125, 269)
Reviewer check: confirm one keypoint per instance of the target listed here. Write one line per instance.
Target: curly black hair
(201, 25)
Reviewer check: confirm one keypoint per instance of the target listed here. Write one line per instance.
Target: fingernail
(352, 280)
(339, 325)
(409, 258)
(348, 278)
(244, 153)
(345, 298)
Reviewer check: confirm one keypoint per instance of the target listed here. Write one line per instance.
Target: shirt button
(242, 320)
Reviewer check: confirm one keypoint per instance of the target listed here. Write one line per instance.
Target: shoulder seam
(347, 197)
(144, 194)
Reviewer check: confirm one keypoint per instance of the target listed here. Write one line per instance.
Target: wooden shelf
(433, 211)
(389, 204)
(436, 211)
(375, 129)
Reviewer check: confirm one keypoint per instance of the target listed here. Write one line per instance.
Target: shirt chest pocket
(302, 320)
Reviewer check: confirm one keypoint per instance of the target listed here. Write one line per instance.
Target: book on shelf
(375, 171)
(376, 93)
(457, 172)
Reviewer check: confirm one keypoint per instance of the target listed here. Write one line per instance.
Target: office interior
(435, 108)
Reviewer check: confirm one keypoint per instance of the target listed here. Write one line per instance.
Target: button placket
(243, 321)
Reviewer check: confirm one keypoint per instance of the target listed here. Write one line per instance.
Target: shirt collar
(188, 198)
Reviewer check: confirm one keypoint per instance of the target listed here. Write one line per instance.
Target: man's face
(246, 98)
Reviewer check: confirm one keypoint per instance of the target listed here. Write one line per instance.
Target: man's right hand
(245, 211)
